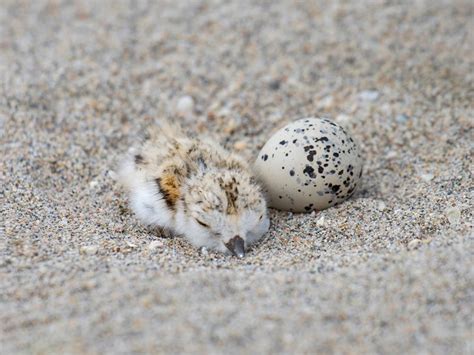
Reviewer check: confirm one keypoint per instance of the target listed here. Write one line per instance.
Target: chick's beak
(236, 246)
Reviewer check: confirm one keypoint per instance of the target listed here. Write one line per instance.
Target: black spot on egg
(264, 157)
(311, 155)
(309, 171)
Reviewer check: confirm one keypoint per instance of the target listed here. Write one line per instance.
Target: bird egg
(310, 164)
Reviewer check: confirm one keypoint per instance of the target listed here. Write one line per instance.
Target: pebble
(343, 119)
(112, 174)
(155, 244)
(413, 244)
(321, 221)
(240, 145)
(131, 245)
(454, 215)
(391, 154)
(326, 102)
(369, 95)
(230, 127)
(381, 206)
(224, 112)
(402, 118)
(185, 106)
(89, 249)
(427, 177)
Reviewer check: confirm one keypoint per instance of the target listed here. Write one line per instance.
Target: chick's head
(224, 210)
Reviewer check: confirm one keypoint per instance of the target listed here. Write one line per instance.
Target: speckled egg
(310, 164)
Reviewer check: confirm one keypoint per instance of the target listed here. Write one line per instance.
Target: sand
(389, 271)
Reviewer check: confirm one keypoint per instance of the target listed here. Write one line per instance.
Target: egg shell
(310, 164)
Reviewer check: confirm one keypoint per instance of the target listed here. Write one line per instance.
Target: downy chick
(195, 188)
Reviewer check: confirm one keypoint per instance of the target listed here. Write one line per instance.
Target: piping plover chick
(194, 188)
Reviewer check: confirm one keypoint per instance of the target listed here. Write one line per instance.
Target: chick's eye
(260, 217)
(202, 223)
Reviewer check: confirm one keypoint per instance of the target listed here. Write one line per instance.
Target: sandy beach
(388, 271)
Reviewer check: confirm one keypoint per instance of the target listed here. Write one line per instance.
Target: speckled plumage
(195, 188)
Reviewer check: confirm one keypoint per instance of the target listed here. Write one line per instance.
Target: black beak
(236, 246)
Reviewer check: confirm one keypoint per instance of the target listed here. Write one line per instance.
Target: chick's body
(195, 188)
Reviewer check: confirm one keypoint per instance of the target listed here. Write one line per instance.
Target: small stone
(224, 112)
(230, 127)
(343, 119)
(240, 145)
(155, 245)
(147, 87)
(369, 95)
(454, 215)
(89, 249)
(413, 244)
(381, 206)
(185, 106)
(326, 102)
(391, 154)
(402, 118)
(427, 177)
(204, 251)
(130, 244)
(313, 213)
(321, 221)
(112, 174)
(114, 68)
(93, 183)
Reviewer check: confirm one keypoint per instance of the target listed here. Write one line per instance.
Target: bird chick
(195, 188)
